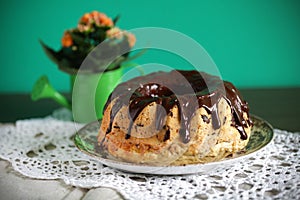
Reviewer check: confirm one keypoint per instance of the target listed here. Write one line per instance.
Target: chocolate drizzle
(188, 90)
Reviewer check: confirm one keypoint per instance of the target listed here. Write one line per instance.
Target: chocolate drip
(167, 91)
(164, 109)
(118, 105)
(135, 108)
(239, 107)
(160, 115)
(167, 135)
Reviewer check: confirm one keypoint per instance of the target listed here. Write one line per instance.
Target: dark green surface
(254, 43)
(280, 107)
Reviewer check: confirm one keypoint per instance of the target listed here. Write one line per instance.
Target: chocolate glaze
(188, 90)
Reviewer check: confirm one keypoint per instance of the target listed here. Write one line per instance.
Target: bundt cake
(174, 118)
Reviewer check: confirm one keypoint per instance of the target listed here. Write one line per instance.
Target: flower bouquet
(93, 29)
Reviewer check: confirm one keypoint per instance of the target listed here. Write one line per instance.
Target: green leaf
(53, 55)
(116, 19)
(80, 40)
(64, 65)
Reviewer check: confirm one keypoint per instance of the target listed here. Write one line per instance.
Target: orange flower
(114, 32)
(101, 19)
(85, 19)
(131, 39)
(85, 22)
(104, 20)
(88, 19)
(67, 40)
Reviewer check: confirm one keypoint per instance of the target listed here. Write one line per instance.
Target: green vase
(90, 93)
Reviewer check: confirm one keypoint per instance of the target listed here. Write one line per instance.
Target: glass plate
(86, 141)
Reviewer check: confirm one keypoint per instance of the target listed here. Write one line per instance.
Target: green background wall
(254, 43)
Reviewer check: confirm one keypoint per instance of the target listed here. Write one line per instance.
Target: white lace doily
(43, 148)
